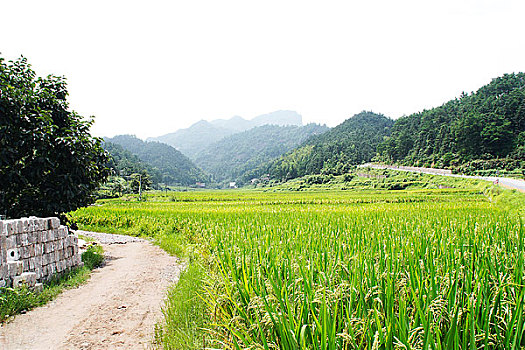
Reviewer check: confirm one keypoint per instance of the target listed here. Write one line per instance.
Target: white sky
(152, 67)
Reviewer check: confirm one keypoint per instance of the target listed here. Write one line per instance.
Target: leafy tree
(485, 125)
(332, 152)
(140, 182)
(163, 162)
(49, 163)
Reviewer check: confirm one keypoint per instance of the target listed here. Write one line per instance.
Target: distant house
(254, 181)
(233, 184)
(200, 184)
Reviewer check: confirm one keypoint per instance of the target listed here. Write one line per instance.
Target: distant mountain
(170, 165)
(234, 155)
(334, 152)
(196, 138)
(282, 118)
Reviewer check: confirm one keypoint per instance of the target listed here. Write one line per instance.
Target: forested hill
(193, 140)
(123, 163)
(172, 166)
(483, 129)
(232, 156)
(335, 151)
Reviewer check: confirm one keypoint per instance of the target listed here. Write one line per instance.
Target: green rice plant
(414, 269)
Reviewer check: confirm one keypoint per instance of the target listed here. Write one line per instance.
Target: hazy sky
(151, 67)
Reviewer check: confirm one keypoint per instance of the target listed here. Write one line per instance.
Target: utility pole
(140, 187)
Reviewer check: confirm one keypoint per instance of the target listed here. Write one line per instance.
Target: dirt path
(116, 309)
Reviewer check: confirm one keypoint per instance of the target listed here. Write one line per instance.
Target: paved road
(503, 181)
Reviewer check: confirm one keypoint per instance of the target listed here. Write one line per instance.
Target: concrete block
(24, 239)
(3, 271)
(31, 222)
(19, 227)
(24, 252)
(25, 225)
(26, 264)
(31, 237)
(31, 249)
(18, 241)
(62, 232)
(38, 249)
(38, 288)
(13, 255)
(9, 227)
(3, 249)
(40, 224)
(10, 243)
(27, 278)
(61, 266)
(15, 268)
(54, 223)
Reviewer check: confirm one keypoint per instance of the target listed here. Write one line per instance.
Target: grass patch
(14, 301)
(184, 313)
(93, 257)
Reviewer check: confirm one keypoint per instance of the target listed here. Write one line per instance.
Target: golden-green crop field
(428, 269)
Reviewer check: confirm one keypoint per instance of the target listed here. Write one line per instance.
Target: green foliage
(115, 186)
(183, 313)
(140, 182)
(486, 125)
(418, 269)
(49, 163)
(235, 155)
(333, 152)
(124, 163)
(93, 257)
(16, 300)
(168, 165)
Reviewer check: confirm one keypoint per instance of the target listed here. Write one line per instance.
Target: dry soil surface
(116, 309)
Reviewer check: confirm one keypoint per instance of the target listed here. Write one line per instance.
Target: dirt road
(116, 309)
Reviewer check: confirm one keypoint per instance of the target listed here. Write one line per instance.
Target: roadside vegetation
(366, 268)
(14, 301)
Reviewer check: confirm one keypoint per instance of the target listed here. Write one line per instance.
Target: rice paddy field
(418, 269)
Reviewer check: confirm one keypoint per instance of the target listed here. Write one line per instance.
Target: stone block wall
(33, 250)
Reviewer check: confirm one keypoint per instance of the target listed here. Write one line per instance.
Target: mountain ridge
(194, 139)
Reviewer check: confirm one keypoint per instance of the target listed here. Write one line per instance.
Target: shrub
(93, 257)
